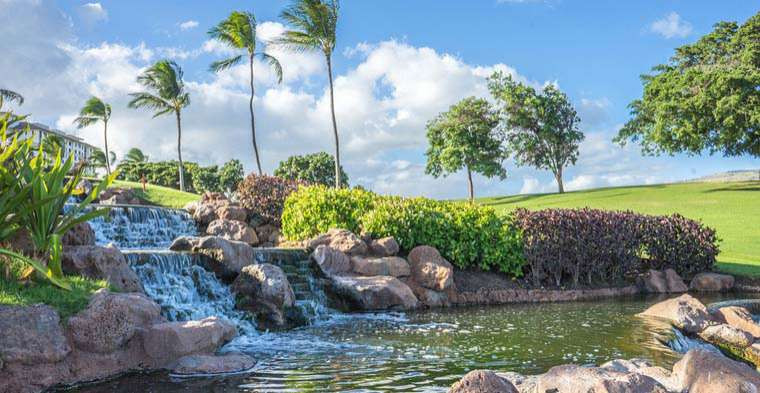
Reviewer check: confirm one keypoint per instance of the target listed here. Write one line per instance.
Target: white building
(73, 146)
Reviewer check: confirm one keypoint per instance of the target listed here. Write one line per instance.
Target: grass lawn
(158, 195)
(732, 209)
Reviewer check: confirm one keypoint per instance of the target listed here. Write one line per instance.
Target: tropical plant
(314, 168)
(10, 95)
(135, 155)
(160, 173)
(238, 31)
(98, 159)
(93, 111)
(466, 137)
(230, 176)
(705, 99)
(541, 127)
(51, 144)
(263, 197)
(313, 24)
(166, 95)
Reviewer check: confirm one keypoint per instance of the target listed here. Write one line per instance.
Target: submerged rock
(210, 365)
(101, 263)
(685, 312)
(712, 282)
(483, 381)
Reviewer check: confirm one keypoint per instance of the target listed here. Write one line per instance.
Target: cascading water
(142, 227)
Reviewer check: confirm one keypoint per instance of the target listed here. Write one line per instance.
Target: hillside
(733, 209)
(160, 196)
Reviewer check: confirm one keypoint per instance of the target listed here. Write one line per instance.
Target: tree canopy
(316, 168)
(705, 99)
(466, 137)
(541, 128)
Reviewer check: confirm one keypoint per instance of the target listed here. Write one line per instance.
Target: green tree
(166, 95)
(230, 175)
(238, 31)
(541, 128)
(10, 95)
(466, 137)
(316, 168)
(98, 159)
(313, 24)
(135, 155)
(93, 111)
(706, 98)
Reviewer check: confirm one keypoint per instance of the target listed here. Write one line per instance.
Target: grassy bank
(733, 209)
(158, 195)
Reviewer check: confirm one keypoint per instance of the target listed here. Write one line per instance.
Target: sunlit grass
(158, 195)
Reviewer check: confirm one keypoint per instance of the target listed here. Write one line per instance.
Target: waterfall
(682, 343)
(142, 227)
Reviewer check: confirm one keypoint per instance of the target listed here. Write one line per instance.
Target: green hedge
(467, 235)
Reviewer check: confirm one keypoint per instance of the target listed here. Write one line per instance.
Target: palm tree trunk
(471, 189)
(179, 153)
(335, 124)
(253, 123)
(105, 141)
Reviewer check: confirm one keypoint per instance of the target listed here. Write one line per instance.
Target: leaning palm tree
(313, 24)
(238, 31)
(167, 95)
(51, 145)
(93, 111)
(10, 95)
(135, 155)
(98, 159)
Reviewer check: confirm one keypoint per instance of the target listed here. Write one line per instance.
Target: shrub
(585, 246)
(317, 168)
(264, 196)
(315, 209)
(230, 176)
(197, 179)
(204, 179)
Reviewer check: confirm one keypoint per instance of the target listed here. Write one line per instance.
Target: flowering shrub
(263, 197)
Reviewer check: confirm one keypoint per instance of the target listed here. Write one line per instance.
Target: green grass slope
(732, 209)
(158, 195)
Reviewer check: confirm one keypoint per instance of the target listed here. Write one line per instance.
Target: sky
(397, 64)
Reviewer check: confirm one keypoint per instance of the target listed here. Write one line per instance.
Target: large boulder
(655, 281)
(342, 240)
(430, 269)
(169, 341)
(111, 320)
(212, 365)
(228, 257)
(217, 207)
(577, 379)
(685, 312)
(384, 247)
(232, 230)
(712, 282)
(739, 318)
(331, 261)
(79, 235)
(382, 266)
(482, 381)
(643, 367)
(232, 212)
(675, 282)
(265, 291)
(702, 371)
(727, 335)
(268, 235)
(375, 292)
(31, 335)
(102, 263)
(119, 196)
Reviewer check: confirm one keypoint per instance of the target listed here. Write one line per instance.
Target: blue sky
(397, 64)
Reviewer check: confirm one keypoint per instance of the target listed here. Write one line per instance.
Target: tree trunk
(335, 124)
(105, 140)
(469, 184)
(253, 123)
(179, 153)
(558, 177)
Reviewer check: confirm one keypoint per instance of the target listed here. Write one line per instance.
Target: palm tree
(95, 110)
(167, 95)
(238, 31)
(314, 23)
(135, 155)
(10, 95)
(51, 145)
(98, 159)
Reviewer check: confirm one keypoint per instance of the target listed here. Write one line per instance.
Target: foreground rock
(712, 282)
(331, 261)
(264, 290)
(31, 335)
(701, 371)
(79, 235)
(101, 263)
(211, 365)
(684, 312)
(483, 381)
(727, 335)
(740, 318)
(375, 292)
(579, 379)
(429, 269)
(165, 342)
(233, 230)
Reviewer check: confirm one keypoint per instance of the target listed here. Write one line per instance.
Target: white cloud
(188, 24)
(671, 26)
(91, 13)
(531, 185)
(594, 112)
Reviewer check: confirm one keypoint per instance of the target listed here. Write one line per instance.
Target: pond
(428, 351)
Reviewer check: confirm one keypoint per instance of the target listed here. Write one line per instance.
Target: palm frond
(10, 95)
(221, 65)
(274, 63)
(150, 101)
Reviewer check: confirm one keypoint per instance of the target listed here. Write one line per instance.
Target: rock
(264, 290)
(385, 247)
(428, 297)
(111, 320)
(429, 269)
(643, 367)
(211, 196)
(331, 261)
(724, 334)
(482, 381)
(685, 312)
(268, 234)
(654, 281)
(675, 282)
(739, 318)
(342, 240)
(205, 213)
(184, 243)
(375, 293)
(101, 263)
(198, 365)
(21, 241)
(191, 207)
(232, 230)
(577, 379)
(118, 196)
(232, 212)
(218, 207)
(702, 371)
(712, 282)
(170, 341)
(383, 266)
(31, 335)
(79, 235)
(523, 383)
(230, 256)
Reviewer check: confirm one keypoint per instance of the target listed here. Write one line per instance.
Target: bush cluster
(317, 168)
(264, 196)
(587, 246)
(467, 235)
(197, 179)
